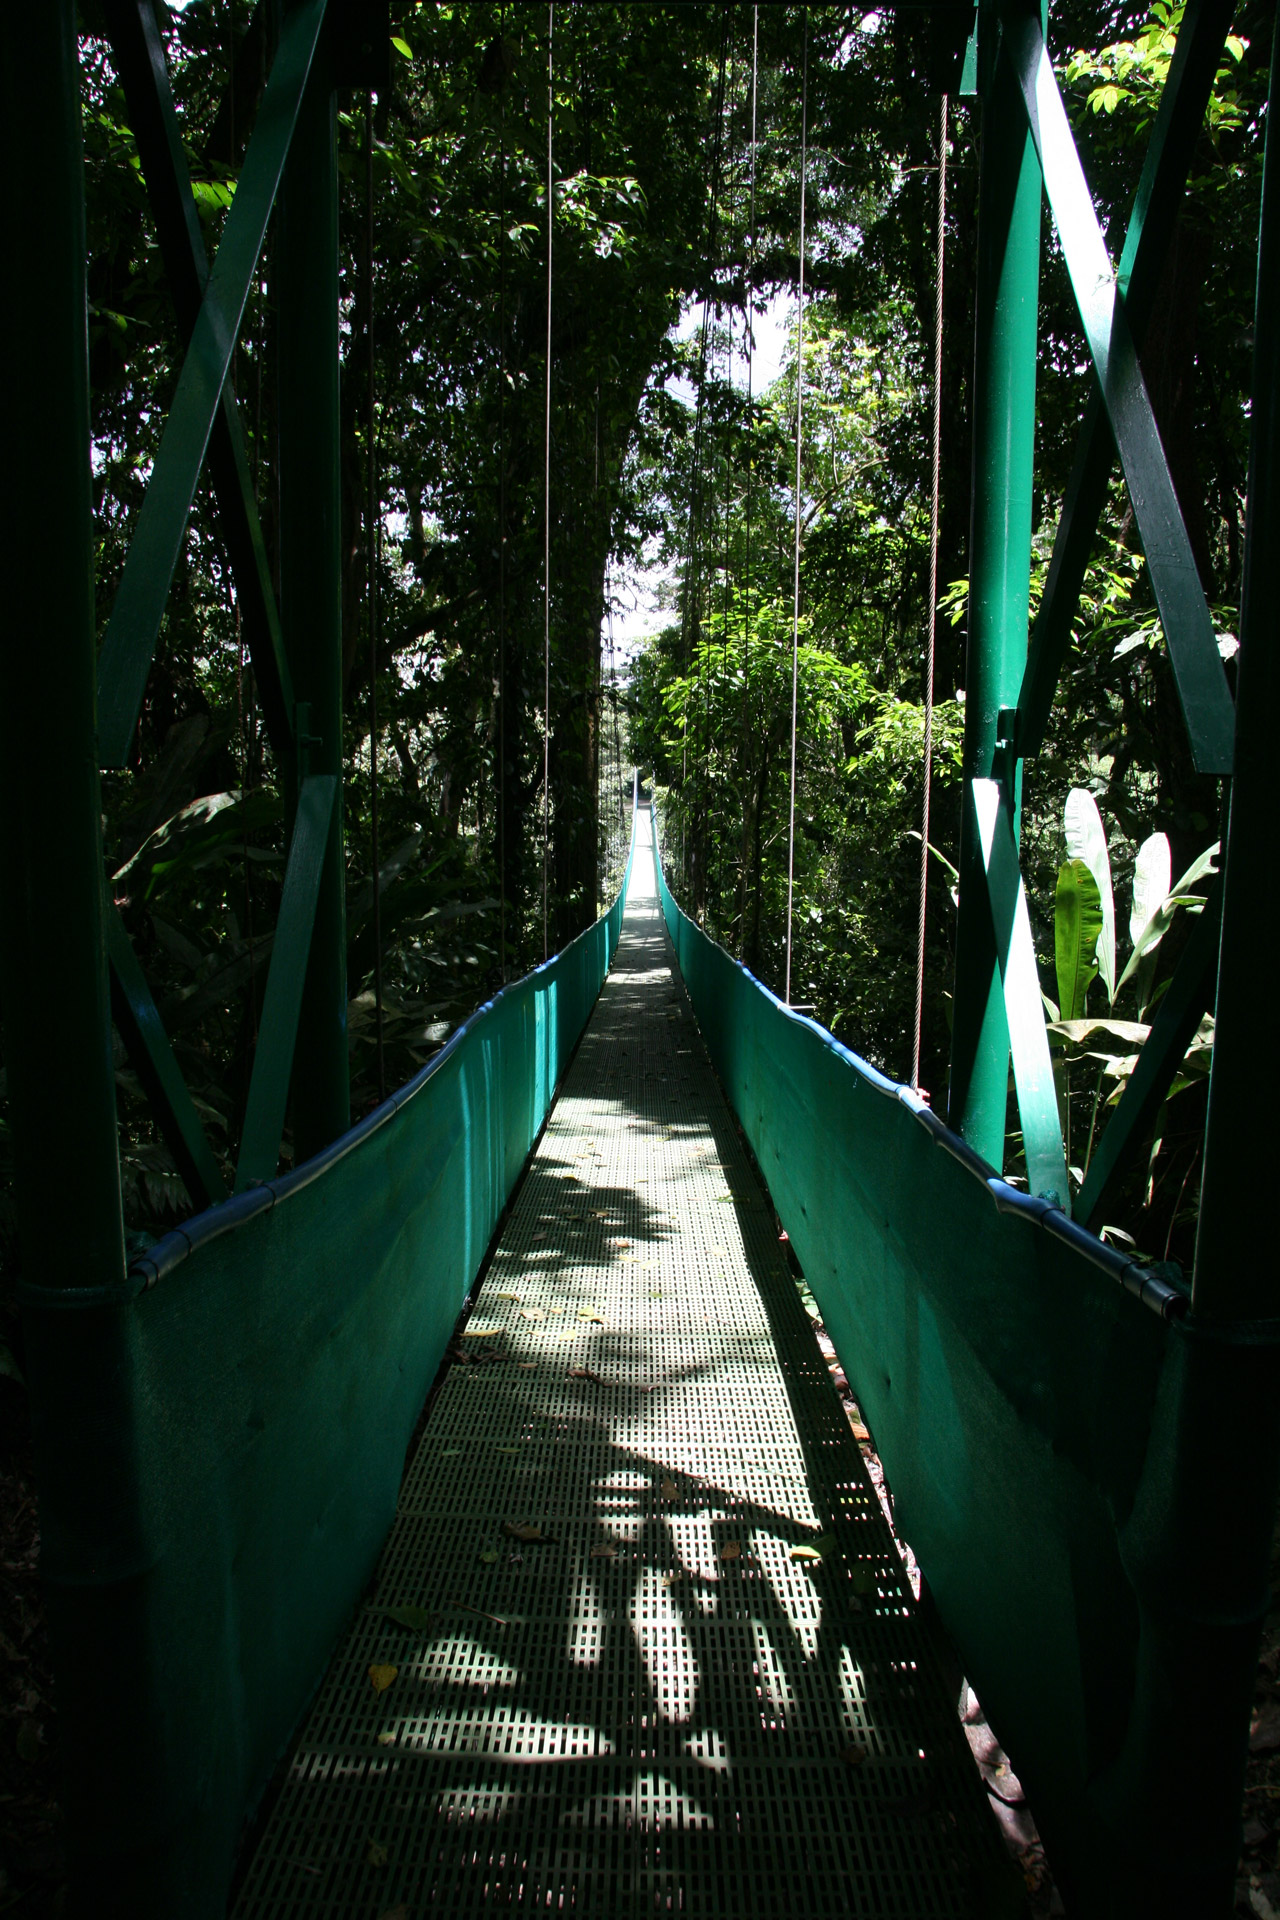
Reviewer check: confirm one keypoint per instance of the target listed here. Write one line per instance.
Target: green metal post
(53, 958)
(1234, 1268)
(57, 1005)
(999, 564)
(311, 574)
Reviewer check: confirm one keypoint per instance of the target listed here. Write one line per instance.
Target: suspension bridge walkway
(665, 1698)
(587, 1659)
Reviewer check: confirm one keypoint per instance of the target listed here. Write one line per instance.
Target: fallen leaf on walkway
(585, 1373)
(490, 1557)
(526, 1530)
(568, 1333)
(673, 1579)
(731, 1550)
(526, 1366)
(670, 1491)
(386, 1739)
(805, 1553)
(417, 1619)
(855, 1755)
(532, 1313)
(481, 1333)
(508, 1450)
(508, 1296)
(381, 1677)
(606, 1552)
(378, 1855)
(592, 1313)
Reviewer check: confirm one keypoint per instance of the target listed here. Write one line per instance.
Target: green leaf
(1151, 875)
(1077, 928)
(1161, 920)
(402, 47)
(1087, 840)
(416, 1619)
(1131, 1032)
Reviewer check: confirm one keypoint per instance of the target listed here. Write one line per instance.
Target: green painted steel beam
(139, 56)
(1235, 1265)
(1193, 648)
(1000, 566)
(79, 1349)
(61, 1084)
(278, 1034)
(147, 1045)
(1024, 1009)
(306, 259)
(1186, 998)
(130, 640)
(1178, 123)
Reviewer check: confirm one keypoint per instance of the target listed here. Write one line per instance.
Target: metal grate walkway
(659, 1707)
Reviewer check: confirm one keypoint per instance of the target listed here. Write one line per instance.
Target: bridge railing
(225, 1438)
(1043, 1408)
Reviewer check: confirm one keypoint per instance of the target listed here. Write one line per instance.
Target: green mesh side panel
(223, 1451)
(1088, 1487)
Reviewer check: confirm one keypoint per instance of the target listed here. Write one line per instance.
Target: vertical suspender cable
(751, 464)
(375, 542)
(932, 622)
(502, 520)
(795, 605)
(546, 515)
(690, 621)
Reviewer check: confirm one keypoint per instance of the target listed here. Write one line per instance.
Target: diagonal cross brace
(1193, 648)
(130, 640)
(1178, 121)
(147, 1045)
(139, 55)
(278, 1033)
(1024, 1013)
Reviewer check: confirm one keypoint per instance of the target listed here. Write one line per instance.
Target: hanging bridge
(666, 1698)
(628, 1632)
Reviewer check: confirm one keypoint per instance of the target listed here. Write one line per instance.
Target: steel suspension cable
(751, 465)
(932, 624)
(690, 618)
(375, 547)
(502, 517)
(546, 500)
(795, 606)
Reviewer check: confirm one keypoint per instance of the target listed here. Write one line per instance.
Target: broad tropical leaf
(1087, 840)
(1152, 873)
(1161, 920)
(1077, 930)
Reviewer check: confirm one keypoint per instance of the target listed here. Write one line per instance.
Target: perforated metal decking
(656, 1709)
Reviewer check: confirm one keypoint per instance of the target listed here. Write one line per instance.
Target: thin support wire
(932, 623)
(691, 619)
(502, 524)
(546, 516)
(751, 473)
(795, 608)
(375, 542)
